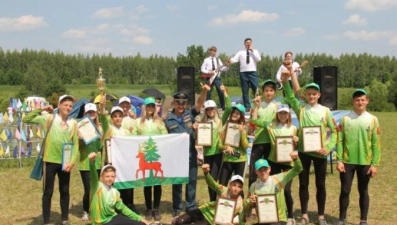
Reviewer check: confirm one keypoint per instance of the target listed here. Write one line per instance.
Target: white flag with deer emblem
(150, 160)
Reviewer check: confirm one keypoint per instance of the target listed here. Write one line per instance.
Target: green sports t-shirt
(359, 139)
(266, 115)
(104, 201)
(276, 130)
(275, 185)
(208, 209)
(316, 115)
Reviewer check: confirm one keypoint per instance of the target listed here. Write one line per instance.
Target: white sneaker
(85, 217)
(291, 221)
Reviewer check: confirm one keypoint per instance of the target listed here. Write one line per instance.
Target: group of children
(358, 150)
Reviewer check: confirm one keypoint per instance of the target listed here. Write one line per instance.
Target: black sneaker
(341, 222)
(148, 215)
(156, 215)
(363, 223)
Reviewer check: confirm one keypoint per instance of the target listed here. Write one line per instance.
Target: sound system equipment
(185, 82)
(326, 78)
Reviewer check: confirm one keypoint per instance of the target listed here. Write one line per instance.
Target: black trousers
(320, 173)
(228, 169)
(122, 220)
(215, 162)
(50, 171)
(127, 196)
(346, 179)
(147, 192)
(85, 178)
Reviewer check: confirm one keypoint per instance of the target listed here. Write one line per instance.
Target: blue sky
(168, 27)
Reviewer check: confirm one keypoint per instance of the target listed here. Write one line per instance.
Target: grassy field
(20, 197)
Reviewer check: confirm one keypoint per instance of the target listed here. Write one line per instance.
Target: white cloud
(75, 33)
(141, 39)
(331, 37)
(212, 7)
(172, 8)
(370, 5)
(393, 40)
(141, 9)
(367, 36)
(22, 23)
(295, 32)
(244, 16)
(107, 13)
(130, 30)
(356, 20)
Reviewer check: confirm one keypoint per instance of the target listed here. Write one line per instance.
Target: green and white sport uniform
(208, 209)
(358, 149)
(275, 185)
(316, 115)
(277, 130)
(56, 137)
(148, 128)
(105, 200)
(359, 139)
(128, 123)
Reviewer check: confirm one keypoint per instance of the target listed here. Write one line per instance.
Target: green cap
(149, 100)
(312, 85)
(240, 107)
(269, 81)
(359, 91)
(261, 163)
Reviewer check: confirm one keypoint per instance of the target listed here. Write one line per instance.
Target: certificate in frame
(67, 150)
(312, 141)
(267, 208)
(108, 150)
(233, 135)
(88, 130)
(284, 147)
(204, 134)
(224, 211)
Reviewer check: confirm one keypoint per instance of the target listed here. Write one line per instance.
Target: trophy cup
(100, 82)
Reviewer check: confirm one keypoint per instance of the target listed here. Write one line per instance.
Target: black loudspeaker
(326, 77)
(185, 82)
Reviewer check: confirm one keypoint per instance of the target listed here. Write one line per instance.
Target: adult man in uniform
(181, 120)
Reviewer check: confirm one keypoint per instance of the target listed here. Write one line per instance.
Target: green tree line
(37, 69)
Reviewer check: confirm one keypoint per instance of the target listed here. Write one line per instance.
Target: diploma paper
(108, 151)
(284, 147)
(66, 154)
(312, 139)
(267, 208)
(204, 134)
(88, 130)
(224, 212)
(233, 135)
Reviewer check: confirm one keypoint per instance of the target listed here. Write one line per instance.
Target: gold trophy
(100, 82)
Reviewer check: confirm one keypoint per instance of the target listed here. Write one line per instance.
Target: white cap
(116, 108)
(237, 177)
(124, 99)
(90, 107)
(65, 96)
(283, 107)
(103, 168)
(209, 104)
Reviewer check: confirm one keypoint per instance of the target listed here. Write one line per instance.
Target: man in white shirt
(213, 66)
(295, 67)
(248, 59)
